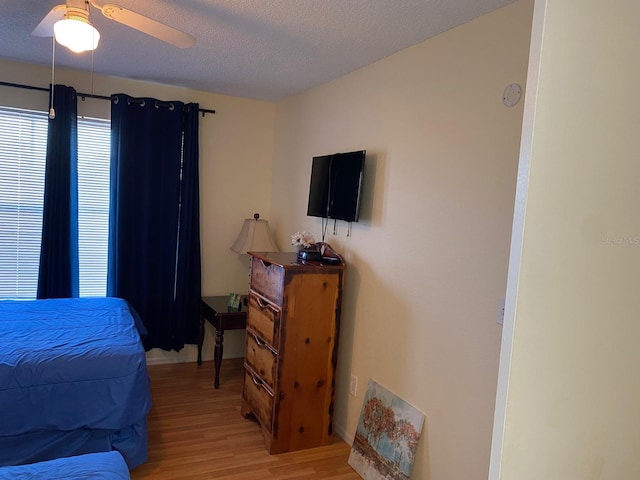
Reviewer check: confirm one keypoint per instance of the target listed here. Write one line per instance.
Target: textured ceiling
(262, 49)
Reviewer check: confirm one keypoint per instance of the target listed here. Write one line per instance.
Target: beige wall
(236, 146)
(427, 263)
(568, 402)
(428, 260)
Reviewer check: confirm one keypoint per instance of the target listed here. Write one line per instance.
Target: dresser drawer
(264, 319)
(258, 397)
(267, 279)
(261, 359)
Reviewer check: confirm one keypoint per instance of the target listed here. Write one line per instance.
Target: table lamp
(255, 236)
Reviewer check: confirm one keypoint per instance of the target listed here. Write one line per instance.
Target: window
(94, 153)
(23, 140)
(23, 146)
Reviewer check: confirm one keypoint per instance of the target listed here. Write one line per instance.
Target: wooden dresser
(292, 345)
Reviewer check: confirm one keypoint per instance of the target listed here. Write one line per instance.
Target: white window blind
(23, 139)
(23, 144)
(94, 143)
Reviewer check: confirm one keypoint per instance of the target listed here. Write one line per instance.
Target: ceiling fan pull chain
(52, 112)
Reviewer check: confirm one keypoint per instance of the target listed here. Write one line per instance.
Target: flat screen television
(336, 186)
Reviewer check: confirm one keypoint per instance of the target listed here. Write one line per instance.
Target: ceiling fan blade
(150, 27)
(45, 27)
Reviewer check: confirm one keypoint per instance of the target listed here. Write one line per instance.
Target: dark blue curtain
(58, 274)
(188, 269)
(154, 242)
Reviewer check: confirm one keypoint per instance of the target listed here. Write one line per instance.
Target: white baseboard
(343, 434)
(234, 347)
(188, 354)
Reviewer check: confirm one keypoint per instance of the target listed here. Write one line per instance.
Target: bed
(73, 380)
(91, 466)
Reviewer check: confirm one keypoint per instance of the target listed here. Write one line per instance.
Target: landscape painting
(387, 436)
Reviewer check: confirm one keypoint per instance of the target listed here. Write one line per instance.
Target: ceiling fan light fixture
(76, 33)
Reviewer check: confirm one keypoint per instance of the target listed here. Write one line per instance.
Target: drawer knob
(258, 340)
(264, 263)
(261, 303)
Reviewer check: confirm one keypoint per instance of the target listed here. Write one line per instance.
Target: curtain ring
(171, 106)
(116, 100)
(142, 103)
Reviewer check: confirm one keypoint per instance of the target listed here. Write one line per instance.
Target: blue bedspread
(93, 466)
(72, 377)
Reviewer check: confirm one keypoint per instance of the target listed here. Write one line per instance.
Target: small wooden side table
(216, 312)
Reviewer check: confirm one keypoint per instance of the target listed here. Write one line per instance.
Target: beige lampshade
(254, 237)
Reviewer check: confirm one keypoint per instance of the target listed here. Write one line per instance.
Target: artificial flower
(304, 239)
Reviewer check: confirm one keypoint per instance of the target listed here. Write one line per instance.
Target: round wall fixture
(511, 95)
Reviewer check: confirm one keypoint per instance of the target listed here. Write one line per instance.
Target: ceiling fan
(76, 12)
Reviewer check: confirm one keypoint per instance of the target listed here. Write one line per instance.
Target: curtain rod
(81, 95)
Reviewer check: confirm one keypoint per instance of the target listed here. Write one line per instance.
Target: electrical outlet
(353, 386)
(500, 319)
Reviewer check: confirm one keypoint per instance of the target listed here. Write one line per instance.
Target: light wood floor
(197, 432)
